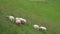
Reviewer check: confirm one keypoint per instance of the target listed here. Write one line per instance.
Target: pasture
(46, 13)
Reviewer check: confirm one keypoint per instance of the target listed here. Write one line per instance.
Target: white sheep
(18, 21)
(36, 27)
(23, 21)
(11, 18)
(42, 28)
(18, 18)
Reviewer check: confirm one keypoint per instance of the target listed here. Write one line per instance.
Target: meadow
(45, 13)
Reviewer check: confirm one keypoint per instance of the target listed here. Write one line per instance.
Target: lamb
(36, 27)
(11, 18)
(42, 28)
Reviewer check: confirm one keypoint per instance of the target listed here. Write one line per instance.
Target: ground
(45, 13)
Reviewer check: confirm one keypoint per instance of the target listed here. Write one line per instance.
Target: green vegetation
(46, 13)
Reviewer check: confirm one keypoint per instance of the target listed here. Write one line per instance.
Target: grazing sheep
(18, 21)
(36, 27)
(42, 28)
(23, 21)
(11, 18)
(18, 18)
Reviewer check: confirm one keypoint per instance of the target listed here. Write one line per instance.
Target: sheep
(42, 28)
(11, 18)
(23, 21)
(18, 21)
(36, 27)
(18, 18)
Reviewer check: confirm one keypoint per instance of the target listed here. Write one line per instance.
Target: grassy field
(46, 13)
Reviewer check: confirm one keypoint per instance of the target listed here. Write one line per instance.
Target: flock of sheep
(20, 21)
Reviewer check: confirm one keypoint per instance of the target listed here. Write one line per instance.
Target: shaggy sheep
(42, 28)
(36, 27)
(11, 18)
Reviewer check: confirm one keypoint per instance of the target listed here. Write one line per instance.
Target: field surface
(41, 12)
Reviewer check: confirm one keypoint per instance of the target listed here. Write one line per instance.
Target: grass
(46, 13)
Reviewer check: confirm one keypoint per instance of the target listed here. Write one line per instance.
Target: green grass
(46, 13)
